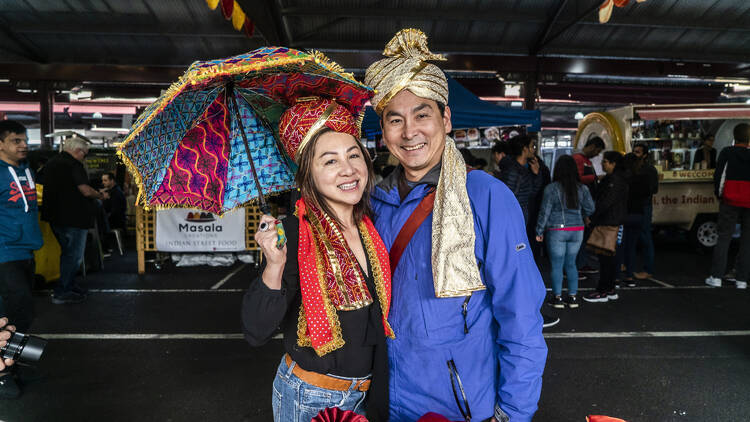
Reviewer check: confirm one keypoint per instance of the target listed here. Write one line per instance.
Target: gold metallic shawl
(406, 68)
(454, 265)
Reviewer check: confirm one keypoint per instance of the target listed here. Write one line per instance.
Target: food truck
(672, 134)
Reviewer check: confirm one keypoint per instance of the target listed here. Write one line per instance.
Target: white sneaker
(713, 281)
(741, 284)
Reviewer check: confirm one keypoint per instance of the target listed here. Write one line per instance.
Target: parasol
(211, 140)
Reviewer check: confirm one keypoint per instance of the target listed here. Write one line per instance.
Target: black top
(115, 208)
(639, 191)
(263, 310)
(611, 200)
(62, 202)
(700, 154)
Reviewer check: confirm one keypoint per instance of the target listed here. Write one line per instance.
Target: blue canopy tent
(468, 111)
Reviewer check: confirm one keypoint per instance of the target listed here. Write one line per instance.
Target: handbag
(603, 240)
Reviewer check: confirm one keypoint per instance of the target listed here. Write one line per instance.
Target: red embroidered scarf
(331, 279)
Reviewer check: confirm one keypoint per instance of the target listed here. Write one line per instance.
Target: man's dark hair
(500, 147)
(595, 141)
(742, 133)
(641, 146)
(516, 144)
(10, 126)
(109, 174)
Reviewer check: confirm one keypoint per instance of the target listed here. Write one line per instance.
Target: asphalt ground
(166, 346)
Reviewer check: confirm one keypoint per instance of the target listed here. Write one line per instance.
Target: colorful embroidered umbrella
(210, 141)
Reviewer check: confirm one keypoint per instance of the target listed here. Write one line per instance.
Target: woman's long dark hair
(311, 194)
(566, 174)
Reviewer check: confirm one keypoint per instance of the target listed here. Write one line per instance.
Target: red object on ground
(602, 418)
(334, 414)
(433, 417)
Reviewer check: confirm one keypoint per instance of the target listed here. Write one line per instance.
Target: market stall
(673, 134)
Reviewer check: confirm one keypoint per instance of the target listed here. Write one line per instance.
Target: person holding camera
(19, 234)
(8, 386)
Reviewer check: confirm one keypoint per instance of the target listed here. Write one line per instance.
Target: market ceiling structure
(654, 51)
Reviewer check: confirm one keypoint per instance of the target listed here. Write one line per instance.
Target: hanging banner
(190, 230)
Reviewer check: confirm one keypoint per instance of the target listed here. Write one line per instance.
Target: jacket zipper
(464, 311)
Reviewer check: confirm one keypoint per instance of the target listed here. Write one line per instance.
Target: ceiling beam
(261, 13)
(25, 48)
(455, 14)
(135, 30)
(547, 28)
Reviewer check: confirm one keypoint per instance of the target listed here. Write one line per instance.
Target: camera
(23, 347)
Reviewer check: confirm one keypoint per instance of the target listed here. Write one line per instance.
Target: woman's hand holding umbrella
(267, 239)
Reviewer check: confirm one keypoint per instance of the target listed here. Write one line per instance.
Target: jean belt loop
(290, 369)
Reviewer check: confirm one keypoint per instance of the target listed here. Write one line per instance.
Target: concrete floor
(165, 347)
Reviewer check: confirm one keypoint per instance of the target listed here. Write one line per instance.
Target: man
(586, 172)
(593, 147)
(520, 171)
(732, 187)
(705, 156)
(68, 208)
(466, 292)
(115, 206)
(499, 151)
(647, 241)
(19, 236)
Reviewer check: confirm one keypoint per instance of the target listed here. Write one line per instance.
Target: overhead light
(4, 81)
(578, 116)
(516, 104)
(747, 101)
(97, 115)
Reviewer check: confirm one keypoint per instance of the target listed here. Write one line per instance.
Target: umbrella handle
(280, 233)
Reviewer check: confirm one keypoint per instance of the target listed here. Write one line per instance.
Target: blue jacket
(501, 358)
(19, 228)
(552, 215)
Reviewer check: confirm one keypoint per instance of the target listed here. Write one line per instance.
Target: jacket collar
(388, 189)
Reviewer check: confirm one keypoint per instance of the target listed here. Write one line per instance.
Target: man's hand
(4, 336)
(534, 165)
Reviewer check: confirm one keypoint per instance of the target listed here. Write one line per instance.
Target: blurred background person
(520, 171)
(565, 205)
(705, 156)
(19, 236)
(646, 238)
(611, 208)
(70, 211)
(639, 193)
(499, 151)
(587, 173)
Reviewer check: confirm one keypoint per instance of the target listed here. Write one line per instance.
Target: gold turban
(406, 68)
(454, 265)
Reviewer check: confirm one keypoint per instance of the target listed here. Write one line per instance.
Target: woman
(611, 207)
(639, 193)
(565, 205)
(329, 287)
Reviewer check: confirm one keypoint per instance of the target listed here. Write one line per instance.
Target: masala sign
(189, 230)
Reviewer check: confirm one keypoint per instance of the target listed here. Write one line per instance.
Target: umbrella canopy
(211, 140)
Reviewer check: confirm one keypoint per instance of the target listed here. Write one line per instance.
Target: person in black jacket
(611, 200)
(520, 171)
(646, 239)
(639, 194)
(705, 156)
(330, 293)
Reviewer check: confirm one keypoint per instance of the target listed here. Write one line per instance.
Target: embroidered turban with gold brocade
(406, 68)
(300, 123)
(454, 266)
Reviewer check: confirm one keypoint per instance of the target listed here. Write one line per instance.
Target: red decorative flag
(602, 418)
(248, 27)
(227, 6)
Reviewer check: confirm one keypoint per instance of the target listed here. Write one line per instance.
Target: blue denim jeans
(72, 245)
(563, 247)
(297, 401)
